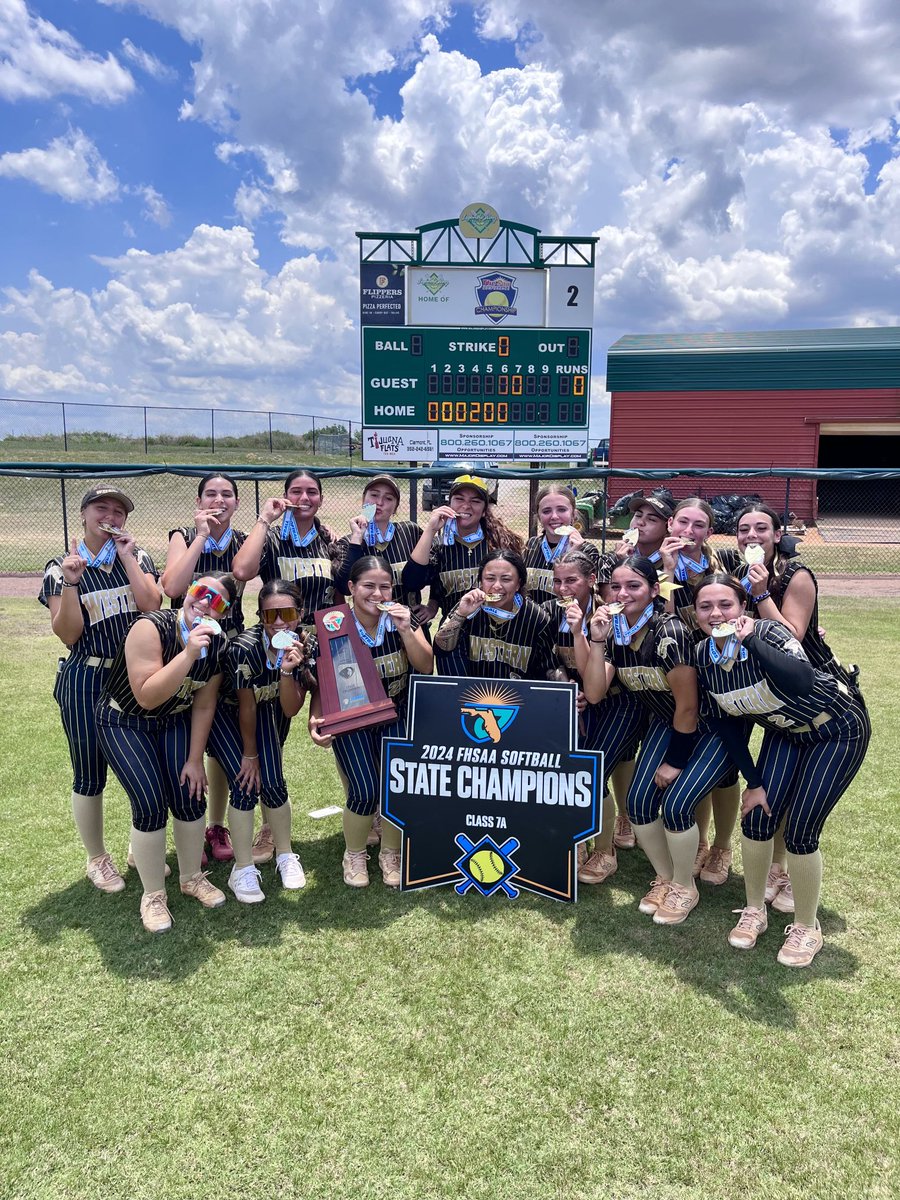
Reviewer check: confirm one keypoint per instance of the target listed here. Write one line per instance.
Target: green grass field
(332, 1043)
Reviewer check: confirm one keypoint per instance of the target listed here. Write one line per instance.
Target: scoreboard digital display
(476, 377)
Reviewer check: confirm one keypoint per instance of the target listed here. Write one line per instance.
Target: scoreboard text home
(476, 341)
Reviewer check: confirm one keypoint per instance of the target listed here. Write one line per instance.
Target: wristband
(287, 674)
(262, 521)
(681, 746)
(251, 757)
(67, 584)
(760, 598)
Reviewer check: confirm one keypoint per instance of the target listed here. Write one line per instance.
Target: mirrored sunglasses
(269, 616)
(217, 602)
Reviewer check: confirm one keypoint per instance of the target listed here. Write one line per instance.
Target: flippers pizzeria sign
(489, 790)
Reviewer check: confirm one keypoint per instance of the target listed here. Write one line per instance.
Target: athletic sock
(280, 823)
(391, 837)
(703, 817)
(217, 796)
(683, 850)
(725, 804)
(620, 782)
(757, 858)
(189, 839)
(149, 853)
(356, 830)
(88, 814)
(779, 852)
(805, 871)
(604, 840)
(652, 840)
(240, 822)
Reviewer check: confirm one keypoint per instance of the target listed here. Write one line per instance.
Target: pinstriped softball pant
(613, 726)
(226, 746)
(147, 756)
(677, 803)
(76, 691)
(358, 757)
(803, 782)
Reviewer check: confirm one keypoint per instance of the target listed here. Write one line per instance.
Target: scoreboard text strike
(475, 377)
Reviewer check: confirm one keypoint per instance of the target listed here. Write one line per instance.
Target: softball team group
(677, 652)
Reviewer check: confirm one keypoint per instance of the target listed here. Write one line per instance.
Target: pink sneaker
(702, 856)
(219, 842)
(679, 903)
(623, 836)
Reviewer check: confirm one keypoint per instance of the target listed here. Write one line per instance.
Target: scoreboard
(491, 361)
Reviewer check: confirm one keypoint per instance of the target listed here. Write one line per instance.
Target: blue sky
(180, 181)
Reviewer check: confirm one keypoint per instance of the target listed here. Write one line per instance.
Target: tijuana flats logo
(386, 443)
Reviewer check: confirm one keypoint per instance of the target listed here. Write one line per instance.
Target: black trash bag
(620, 508)
(723, 514)
(738, 502)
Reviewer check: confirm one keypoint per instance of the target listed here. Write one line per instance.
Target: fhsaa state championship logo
(486, 713)
(496, 295)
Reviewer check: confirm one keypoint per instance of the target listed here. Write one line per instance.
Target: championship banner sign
(489, 789)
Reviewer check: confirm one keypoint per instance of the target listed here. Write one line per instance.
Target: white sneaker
(292, 876)
(244, 882)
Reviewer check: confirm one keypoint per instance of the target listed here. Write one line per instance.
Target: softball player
(394, 541)
(647, 533)
(301, 549)
(611, 726)
(494, 631)
(816, 733)
(455, 539)
(210, 544)
(555, 510)
(265, 682)
(397, 648)
(153, 718)
(651, 654)
(94, 594)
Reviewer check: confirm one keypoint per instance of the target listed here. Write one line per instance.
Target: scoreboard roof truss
(440, 244)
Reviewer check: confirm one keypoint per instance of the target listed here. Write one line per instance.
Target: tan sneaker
(718, 864)
(263, 848)
(389, 861)
(201, 889)
(752, 922)
(801, 945)
(700, 860)
(103, 875)
(784, 900)
(654, 898)
(623, 836)
(775, 881)
(155, 913)
(598, 867)
(133, 865)
(375, 832)
(356, 873)
(679, 903)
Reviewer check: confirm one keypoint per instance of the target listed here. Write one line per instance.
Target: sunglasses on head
(217, 602)
(269, 616)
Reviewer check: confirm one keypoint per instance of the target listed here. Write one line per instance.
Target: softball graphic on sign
(486, 866)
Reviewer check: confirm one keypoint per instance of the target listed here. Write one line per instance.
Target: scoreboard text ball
(423, 375)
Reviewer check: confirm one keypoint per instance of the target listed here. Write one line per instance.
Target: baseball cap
(385, 481)
(658, 505)
(475, 482)
(100, 492)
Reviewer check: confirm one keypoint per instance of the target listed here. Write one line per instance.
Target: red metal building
(802, 398)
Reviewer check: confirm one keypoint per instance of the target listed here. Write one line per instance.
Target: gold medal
(726, 629)
(284, 639)
(630, 537)
(615, 608)
(492, 597)
(113, 529)
(754, 554)
(564, 530)
(565, 601)
(384, 605)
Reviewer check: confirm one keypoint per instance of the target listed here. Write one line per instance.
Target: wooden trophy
(350, 688)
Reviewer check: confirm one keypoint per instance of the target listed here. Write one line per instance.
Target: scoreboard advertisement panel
(489, 361)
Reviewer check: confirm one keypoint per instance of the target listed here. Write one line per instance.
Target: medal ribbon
(385, 625)
(104, 556)
(290, 532)
(729, 652)
(688, 565)
(185, 632)
(278, 656)
(558, 550)
(211, 546)
(623, 632)
(374, 536)
(469, 539)
(501, 614)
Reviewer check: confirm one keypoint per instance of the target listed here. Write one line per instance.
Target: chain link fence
(855, 529)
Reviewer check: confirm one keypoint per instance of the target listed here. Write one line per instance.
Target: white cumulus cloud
(71, 166)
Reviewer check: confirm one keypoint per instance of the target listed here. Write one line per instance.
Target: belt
(97, 662)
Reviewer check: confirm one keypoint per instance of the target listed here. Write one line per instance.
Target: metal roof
(756, 360)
